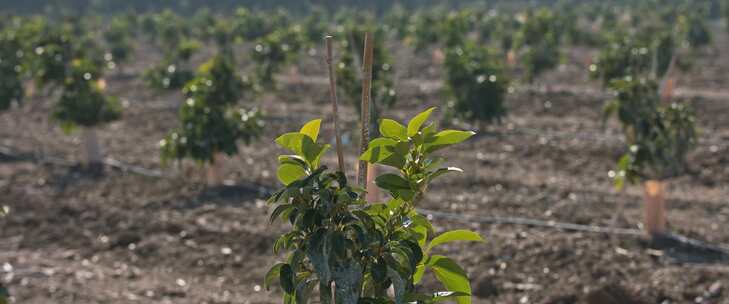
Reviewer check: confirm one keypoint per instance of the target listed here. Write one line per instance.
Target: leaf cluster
(658, 136)
(209, 121)
(364, 249)
(477, 83)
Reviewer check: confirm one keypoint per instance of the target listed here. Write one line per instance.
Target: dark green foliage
(250, 25)
(364, 248)
(658, 135)
(173, 72)
(11, 69)
(624, 56)
(83, 102)
(275, 50)
(476, 82)
(695, 31)
(423, 31)
(118, 39)
(210, 123)
(539, 38)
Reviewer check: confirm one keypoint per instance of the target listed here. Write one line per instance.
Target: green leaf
(291, 141)
(419, 272)
(447, 138)
(312, 151)
(417, 121)
(452, 276)
(272, 274)
(311, 129)
(452, 236)
(392, 182)
(393, 129)
(292, 159)
(376, 149)
(286, 278)
(442, 171)
(288, 173)
(398, 285)
(279, 210)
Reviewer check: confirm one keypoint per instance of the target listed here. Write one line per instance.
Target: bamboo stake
(333, 98)
(366, 92)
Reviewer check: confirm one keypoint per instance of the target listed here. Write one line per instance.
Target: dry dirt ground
(130, 238)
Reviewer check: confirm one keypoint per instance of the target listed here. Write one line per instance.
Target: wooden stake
(366, 92)
(666, 87)
(333, 98)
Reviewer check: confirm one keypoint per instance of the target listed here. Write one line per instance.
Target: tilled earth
(124, 237)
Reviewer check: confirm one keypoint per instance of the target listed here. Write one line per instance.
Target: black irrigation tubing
(470, 219)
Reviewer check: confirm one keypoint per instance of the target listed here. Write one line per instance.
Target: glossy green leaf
(311, 129)
(291, 141)
(286, 278)
(272, 274)
(393, 129)
(447, 138)
(442, 171)
(417, 121)
(419, 272)
(288, 173)
(452, 236)
(452, 276)
(392, 182)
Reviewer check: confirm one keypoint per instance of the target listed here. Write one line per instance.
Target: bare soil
(123, 237)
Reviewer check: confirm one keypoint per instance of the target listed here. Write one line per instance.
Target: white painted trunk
(215, 170)
(94, 155)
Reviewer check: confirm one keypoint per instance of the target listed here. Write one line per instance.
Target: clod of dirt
(613, 293)
(714, 290)
(565, 299)
(485, 288)
(125, 239)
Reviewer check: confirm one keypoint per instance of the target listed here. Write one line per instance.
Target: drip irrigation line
(470, 219)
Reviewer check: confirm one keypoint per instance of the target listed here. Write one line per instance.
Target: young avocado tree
(352, 251)
(84, 104)
(12, 65)
(625, 55)
(476, 83)
(66, 57)
(119, 41)
(658, 135)
(275, 50)
(173, 71)
(539, 38)
(210, 123)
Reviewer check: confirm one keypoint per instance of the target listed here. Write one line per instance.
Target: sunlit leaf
(452, 236)
(452, 276)
(393, 129)
(272, 274)
(289, 173)
(417, 121)
(311, 129)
